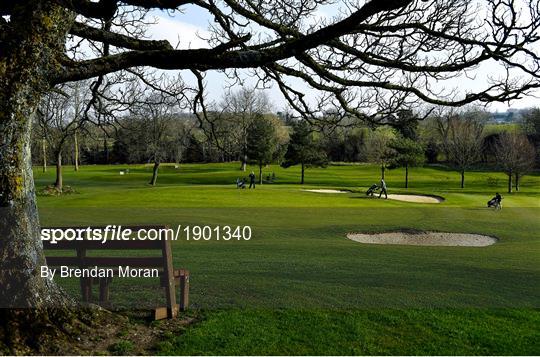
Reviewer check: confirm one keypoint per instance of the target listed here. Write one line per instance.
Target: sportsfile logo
(119, 233)
(108, 233)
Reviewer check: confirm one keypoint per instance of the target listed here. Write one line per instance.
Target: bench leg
(168, 271)
(86, 289)
(104, 291)
(184, 290)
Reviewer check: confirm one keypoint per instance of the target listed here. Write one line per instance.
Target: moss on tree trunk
(39, 31)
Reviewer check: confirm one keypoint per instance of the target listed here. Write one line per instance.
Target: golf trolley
(371, 191)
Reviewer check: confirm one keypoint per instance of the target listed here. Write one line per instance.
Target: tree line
(242, 127)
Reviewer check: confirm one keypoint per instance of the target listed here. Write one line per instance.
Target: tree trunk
(75, 139)
(243, 167)
(510, 182)
(517, 181)
(244, 152)
(260, 173)
(154, 173)
(39, 31)
(58, 183)
(406, 176)
(44, 151)
(382, 171)
(105, 150)
(21, 250)
(303, 170)
(462, 178)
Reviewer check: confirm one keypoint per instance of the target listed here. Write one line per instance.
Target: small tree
(156, 116)
(515, 155)
(243, 107)
(59, 118)
(153, 102)
(378, 150)
(406, 153)
(462, 137)
(304, 149)
(262, 142)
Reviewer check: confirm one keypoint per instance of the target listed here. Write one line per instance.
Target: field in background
(300, 287)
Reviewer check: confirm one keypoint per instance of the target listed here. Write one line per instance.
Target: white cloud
(179, 33)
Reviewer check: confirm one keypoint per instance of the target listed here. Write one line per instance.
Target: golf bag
(240, 183)
(495, 203)
(372, 190)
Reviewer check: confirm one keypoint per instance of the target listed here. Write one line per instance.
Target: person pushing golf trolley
(252, 180)
(383, 189)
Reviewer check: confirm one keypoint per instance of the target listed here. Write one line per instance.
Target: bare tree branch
(118, 40)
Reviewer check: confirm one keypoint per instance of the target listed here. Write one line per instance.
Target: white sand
(416, 198)
(326, 191)
(425, 238)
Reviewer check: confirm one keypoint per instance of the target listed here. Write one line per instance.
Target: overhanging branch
(206, 59)
(103, 9)
(116, 39)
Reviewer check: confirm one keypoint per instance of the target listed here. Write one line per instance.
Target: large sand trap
(424, 238)
(417, 198)
(326, 191)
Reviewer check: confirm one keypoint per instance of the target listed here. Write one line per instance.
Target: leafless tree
(377, 149)
(154, 107)
(60, 117)
(462, 138)
(374, 57)
(243, 107)
(225, 124)
(181, 131)
(515, 155)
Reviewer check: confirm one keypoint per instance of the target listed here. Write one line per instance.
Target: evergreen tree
(406, 153)
(262, 142)
(304, 149)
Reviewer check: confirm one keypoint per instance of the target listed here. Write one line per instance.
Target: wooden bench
(170, 278)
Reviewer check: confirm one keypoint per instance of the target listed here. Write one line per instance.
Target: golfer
(383, 189)
(252, 179)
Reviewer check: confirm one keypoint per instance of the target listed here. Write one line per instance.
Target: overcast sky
(186, 29)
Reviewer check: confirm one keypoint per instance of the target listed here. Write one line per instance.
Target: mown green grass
(360, 332)
(300, 287)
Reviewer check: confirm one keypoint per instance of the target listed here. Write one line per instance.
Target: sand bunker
(424, 238)
(326, 191)
(417, 198)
